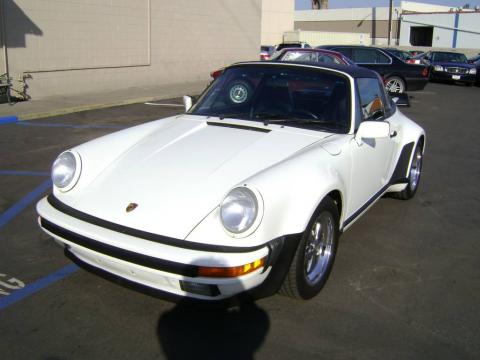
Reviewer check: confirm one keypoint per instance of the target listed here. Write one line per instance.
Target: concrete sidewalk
(35, 109)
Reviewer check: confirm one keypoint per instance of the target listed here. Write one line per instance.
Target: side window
(382, 58)
(345, 51)
(369, 56)
(371, 99)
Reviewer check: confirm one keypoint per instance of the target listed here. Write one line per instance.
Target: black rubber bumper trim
(184, 244)
(118, 253)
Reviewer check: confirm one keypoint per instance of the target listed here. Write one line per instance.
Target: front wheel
(413, 176)
(395, 84)
(315, 254)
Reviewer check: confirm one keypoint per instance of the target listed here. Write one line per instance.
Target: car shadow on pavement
(192, 331)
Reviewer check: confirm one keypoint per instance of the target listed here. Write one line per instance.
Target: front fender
(291, 192)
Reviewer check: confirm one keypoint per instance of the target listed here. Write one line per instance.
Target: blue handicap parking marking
(8, 119)
(20, 205)
(12, 289)
(24, 173)
(73, 126)
(37, 285)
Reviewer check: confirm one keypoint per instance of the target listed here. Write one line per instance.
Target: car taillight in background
(425, 72)
(216, 73)
(413, 61)
(264, 56)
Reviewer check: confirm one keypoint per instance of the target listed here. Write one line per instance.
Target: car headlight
(473, 71)
(66, 170)
(438, 68)
(239, 210)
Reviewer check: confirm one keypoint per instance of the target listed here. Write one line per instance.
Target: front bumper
(167, 268)
(445, 76)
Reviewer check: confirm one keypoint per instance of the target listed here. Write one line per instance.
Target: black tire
(296, 283)
(416, 165)
(400, 86)
(468, 84)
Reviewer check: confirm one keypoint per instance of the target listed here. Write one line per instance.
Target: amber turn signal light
(225, 272)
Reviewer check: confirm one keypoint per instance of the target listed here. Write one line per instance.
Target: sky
(306, 4)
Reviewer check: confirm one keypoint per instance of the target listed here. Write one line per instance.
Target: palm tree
(319, 4)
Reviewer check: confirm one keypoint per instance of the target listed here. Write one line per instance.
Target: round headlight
(239, 210)
(473, 71)
(64, 169)
(438, 68)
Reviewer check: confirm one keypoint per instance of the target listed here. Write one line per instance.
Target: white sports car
(245, 193)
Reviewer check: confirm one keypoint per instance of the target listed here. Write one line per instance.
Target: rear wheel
(315, 254)
(413, 176)
(395, 84)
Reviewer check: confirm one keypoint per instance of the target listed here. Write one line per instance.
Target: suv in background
(397, 75)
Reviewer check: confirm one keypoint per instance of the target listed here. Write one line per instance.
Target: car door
(370, 158)
(372, 59)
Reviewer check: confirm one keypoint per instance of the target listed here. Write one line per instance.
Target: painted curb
(8, 119)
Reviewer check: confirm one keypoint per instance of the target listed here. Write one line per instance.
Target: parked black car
(476, 61)
(398, 75)
(450, 66)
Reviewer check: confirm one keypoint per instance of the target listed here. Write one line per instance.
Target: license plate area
(456, 77)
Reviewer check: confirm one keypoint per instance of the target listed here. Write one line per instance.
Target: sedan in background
(476, 61)
(312, 56)
(266, 52)
(397, 75)
(450, 66)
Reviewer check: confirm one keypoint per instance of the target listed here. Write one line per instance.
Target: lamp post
(390, 21)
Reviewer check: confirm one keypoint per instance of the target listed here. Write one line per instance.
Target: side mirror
(187, 102)
(372, 130)
(400, 99)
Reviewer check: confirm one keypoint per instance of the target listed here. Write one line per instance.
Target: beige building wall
(73, 46)
(277, 18)
(371, 20)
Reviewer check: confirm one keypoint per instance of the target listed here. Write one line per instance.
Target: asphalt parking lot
(405, 285)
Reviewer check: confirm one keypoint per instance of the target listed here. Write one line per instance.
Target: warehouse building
(68, 47)
(453, 29)
(413, 24)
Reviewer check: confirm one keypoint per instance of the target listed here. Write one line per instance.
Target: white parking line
(157, 104)
(424, 92)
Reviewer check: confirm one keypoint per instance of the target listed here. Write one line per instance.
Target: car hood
(453, 64)
(177, 175)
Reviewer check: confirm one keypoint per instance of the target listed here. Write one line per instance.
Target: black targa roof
(353, 71)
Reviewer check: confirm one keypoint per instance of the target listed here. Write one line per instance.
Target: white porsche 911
(245, 193)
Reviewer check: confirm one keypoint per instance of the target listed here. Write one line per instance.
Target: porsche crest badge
(131, 207)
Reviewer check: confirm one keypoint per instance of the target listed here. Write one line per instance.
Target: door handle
(393, 134)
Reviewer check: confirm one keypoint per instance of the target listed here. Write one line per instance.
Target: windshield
(310, 56)
(449, 57)
(294, 96)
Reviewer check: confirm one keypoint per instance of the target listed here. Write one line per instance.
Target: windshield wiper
(274, 117)
(231, 115)
(285, 118)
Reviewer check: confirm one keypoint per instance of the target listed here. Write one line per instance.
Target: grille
(457, 70)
